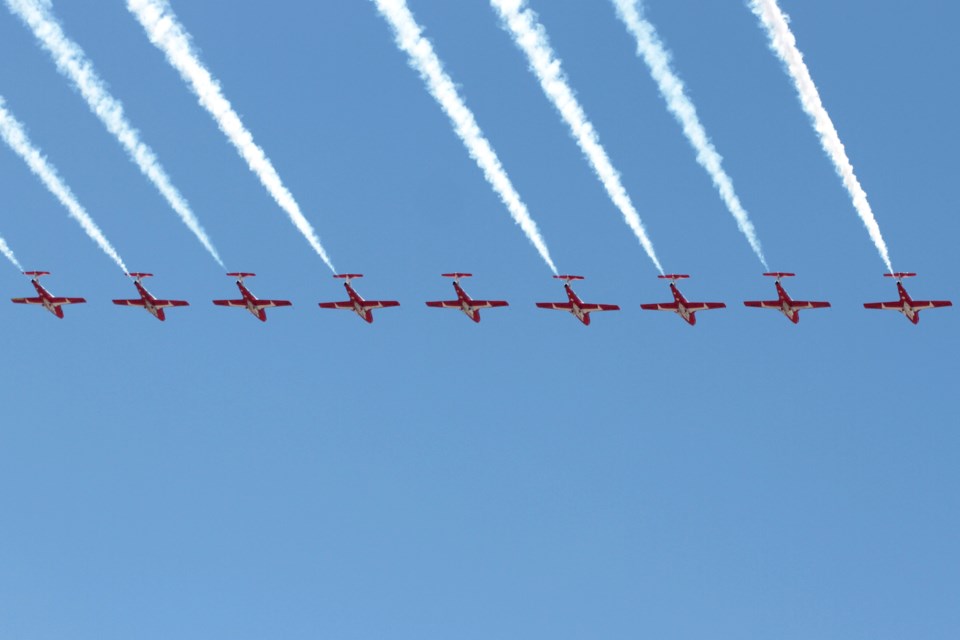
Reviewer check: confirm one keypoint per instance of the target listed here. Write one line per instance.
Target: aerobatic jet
(49, 302)
(146, 299)
(906, 305)
(249, 301)
(575, 305)
(361, 307)
(680, 305)
(785, 304)
(466, 304)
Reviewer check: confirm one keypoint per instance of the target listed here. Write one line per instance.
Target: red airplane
(49, 302)
(361, 307)
(906, 305)
(576, 306)
(466, 304)
(785, 304)
(146, 299)
(680, 305)
(249, 301)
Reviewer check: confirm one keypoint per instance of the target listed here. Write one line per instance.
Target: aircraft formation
(471, 307)
(522, 24)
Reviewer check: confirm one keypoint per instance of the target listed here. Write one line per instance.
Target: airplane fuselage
(46, 300)
(251, 302)
(906, 308)
(466, 305)
(786, 305)
(357, 301)
(682, 310)
(575, 303)
(148, 301)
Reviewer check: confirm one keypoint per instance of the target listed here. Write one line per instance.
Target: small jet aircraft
(49, 302)
(466, 304)
(146, 299)
(361, 307)
(906, 305)
(249, 301)
(680, 305)
(576, 306)
(785, 304)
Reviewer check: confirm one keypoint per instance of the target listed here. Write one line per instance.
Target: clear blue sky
(527, 477)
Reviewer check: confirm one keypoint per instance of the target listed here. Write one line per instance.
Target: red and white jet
(249, 301)
(49, 302)
(576, 306)
(361, 307)
(785, 304)
(906, 305)
(146, 299)
(466, 304)
(680, 305)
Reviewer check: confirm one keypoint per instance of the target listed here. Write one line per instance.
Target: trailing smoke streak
(14, 135)
(166, 33)
(8, 254)
(73, 63)
(531, 37)
(424, 60)
(784, 44)
(655, 55)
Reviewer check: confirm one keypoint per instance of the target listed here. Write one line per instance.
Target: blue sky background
(314, 476)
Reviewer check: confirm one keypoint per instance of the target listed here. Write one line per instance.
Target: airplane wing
(444, 304)
(930, 304)
(660, 306)
(893, 306)
(590, 308)
(559, 306)
(380, 304)
(28, 300)
(230, 303)
(346, 304)
(131, 303)
(801, 304)
(274, 303)
(68, 300)
(703, 306)
(170, 303)
(767, 304)
(489, 304)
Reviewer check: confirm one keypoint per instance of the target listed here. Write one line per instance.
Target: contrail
(784, 44)
(73, 63)
(657, 58)
(14, 135)
(8, 254)
(423, 59)
(168, 35)
(531, 37)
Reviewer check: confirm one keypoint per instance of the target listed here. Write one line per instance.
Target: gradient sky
(527, 477)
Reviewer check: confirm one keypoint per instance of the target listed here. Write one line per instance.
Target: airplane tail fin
(900, 275)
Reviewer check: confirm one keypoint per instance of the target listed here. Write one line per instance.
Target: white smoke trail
(424, 60)
(531, 37)
(784, 44)
(657, 58)
(167, 34)
(14, 135)
(73, 63)
(8, 254)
